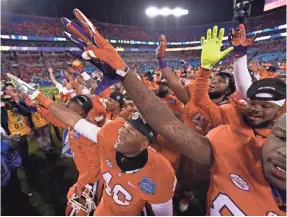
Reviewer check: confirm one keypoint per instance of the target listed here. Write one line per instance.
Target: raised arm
(175, 84)
(202, 100)
(241, 76)
(51, 118)
(161, 118)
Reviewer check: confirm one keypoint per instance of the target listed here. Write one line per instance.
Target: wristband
(85, 76)
(43, 100)
(162, 63)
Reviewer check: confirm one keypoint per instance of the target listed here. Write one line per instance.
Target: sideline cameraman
(14, 121)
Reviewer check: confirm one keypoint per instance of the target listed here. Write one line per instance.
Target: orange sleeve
(73, 83)
(202, 101)
(164, 190)
(51, 118)
(93, 171)
(98, 105)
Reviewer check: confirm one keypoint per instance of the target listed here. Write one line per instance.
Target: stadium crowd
(12, 24)
(152, 133)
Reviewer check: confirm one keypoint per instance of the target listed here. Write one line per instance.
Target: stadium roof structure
(131, 12)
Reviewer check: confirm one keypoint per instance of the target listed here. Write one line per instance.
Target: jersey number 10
(224, 201)
(114, 193)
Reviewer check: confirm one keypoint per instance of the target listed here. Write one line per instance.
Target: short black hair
(230, 77)
(84, 101)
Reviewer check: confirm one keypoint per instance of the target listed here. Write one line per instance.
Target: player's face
(260, 114)
(111, 104)
(130, 141)
(218, 86)
(77, 108)
(274, 155)
(130, 106)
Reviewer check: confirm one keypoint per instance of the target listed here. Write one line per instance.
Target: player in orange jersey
(211, 152)
(132, 172)
(114, 106)
(85, 152)
(163, 92)
(221, 87)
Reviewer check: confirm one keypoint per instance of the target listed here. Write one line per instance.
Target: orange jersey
(106, 93)
(237, 183)
(38, 120)
(98, 112)
(127, 193)
(65, 97)
(173, 103)
(166, 150)
(86, 154)
(17, 124)
(191, 115)
(224, 114)
(110, 116)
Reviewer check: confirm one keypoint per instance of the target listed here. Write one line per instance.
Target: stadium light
(177, 12)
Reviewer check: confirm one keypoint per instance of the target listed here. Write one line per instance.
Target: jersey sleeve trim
(87, 129)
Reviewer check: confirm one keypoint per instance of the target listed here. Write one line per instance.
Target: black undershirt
(131, 163)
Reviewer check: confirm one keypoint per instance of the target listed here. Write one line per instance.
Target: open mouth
(212, 86)
(279, 172)
(254, 116)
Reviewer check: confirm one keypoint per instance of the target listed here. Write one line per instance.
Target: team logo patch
(19, 119)
(172, 101)
(239, 182)
(109, 164)
(76, 135)
(271, 213)
(147, 185)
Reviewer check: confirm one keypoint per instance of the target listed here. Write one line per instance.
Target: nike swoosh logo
(129, 183)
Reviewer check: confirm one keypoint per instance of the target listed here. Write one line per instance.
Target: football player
(220, 87)
(85, 152)
(237, 186)
(132, 171)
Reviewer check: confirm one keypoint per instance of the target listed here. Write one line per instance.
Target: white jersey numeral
(223, 201)
(116, 190)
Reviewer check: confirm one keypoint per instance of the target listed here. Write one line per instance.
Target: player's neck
(131, 163)
(218, 99)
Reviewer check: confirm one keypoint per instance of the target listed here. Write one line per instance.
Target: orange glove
(99, 47)
(161, 47)
(238, 39)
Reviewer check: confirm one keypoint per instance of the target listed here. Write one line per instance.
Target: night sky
(131, 12)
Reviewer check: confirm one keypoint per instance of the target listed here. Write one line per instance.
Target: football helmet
(81, 206)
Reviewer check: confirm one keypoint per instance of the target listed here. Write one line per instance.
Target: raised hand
(238, 39)
(161, 47)
(211, 52)
(95, 49)
(23, 87)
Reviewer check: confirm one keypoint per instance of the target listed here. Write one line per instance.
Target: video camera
(242, 10)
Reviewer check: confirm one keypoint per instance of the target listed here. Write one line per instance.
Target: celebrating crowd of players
(216, 141)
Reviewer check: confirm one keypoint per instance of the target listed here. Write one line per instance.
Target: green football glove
(211, 53)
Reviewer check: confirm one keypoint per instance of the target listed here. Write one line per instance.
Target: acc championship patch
(76, 135)
(147, 185)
